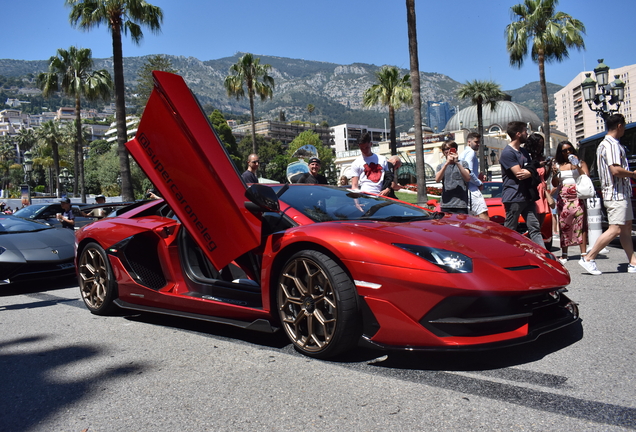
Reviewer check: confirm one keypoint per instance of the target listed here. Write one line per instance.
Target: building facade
(438, 114)
(345, 136)
(576, 119)
(284, 132)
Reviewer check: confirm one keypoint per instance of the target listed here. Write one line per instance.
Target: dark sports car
(331, 267)
(32, 250)
(46, 213)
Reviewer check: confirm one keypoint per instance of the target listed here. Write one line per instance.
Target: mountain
(335, 90)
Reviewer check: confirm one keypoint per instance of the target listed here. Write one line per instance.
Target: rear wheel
(317, 305)
(96, 281)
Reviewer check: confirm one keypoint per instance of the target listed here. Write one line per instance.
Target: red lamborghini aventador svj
(330, 267)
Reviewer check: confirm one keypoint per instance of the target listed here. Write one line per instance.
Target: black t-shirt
(249, 177)
(308, 178)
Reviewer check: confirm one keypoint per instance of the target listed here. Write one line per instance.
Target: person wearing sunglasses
(571, 209)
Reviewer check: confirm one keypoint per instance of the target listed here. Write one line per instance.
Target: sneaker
(563, 260)
(589, 266)
(631, 268)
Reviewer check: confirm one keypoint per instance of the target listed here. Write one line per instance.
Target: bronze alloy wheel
(317, 305)
(96, 281)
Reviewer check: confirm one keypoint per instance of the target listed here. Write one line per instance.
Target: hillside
(335, 90)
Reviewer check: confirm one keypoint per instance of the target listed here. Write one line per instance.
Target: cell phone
(452, 150)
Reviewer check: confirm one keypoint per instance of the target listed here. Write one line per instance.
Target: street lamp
(608, 93)
(25, 189)
(65, 179)
(27, 165)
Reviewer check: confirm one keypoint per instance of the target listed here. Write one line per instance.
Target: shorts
(618, 211)
(477, 203)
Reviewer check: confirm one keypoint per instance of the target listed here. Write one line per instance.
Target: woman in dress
(571, 210)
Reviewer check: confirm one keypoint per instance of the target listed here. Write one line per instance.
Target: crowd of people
(4, 209)
(532, 186)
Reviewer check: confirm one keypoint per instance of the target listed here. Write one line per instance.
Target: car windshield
(330, 203)
(30, 212)
(14, 225)
(492, 190)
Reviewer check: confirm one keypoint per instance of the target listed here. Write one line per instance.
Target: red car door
(181, 154)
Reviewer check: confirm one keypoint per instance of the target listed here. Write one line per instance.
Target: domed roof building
(494, 121)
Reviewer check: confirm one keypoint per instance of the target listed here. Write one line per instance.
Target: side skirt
(260, 325)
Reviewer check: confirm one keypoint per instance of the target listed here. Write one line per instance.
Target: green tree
(310, 109)
(392, 91)
(49, 136)
(145, 82)
(268, 152)
(71, 71)
(250, 72)
(480, 93)
(551, 33)
(225, 133)
(25, 139)
(120, 16)
(7, 159)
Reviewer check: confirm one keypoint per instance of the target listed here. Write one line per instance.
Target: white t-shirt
(370, 172)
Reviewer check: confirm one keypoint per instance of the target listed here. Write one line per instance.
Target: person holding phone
(454, 176)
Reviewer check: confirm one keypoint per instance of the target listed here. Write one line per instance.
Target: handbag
(585, 187)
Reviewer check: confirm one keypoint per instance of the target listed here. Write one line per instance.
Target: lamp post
(25, 189)
(27, 165)
(608, 93)
(65, 179)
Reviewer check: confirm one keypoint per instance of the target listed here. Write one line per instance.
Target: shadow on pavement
(29, 394)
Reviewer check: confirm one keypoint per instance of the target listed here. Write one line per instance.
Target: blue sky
(463, 39)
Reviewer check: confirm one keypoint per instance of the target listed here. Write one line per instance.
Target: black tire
(317, 305)
(97, 284)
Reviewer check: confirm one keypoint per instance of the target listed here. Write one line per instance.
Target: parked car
(46, 213)
(329, 266)
(31, 250)
(497, 213)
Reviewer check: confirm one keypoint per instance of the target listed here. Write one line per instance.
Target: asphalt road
(64, 369)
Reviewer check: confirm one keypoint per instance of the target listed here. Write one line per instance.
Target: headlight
(452, 262)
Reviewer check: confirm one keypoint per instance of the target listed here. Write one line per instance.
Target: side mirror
(261, 198)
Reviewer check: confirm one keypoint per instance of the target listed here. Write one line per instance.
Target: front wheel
(96, 281)
(317, 305)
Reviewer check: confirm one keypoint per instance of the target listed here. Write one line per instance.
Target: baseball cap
(100, 196)
(65, 200)
(314, 159)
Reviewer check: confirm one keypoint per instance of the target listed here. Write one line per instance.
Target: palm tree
(49, 135)
(25, 140)
(392, 91)
(7, 158)
(249, 71)
(422, 195)
(310, 109)
(480, 93)
(551, 34)
(120, 16)
(71, 71)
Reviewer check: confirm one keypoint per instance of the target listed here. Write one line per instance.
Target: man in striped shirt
(616, 188)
